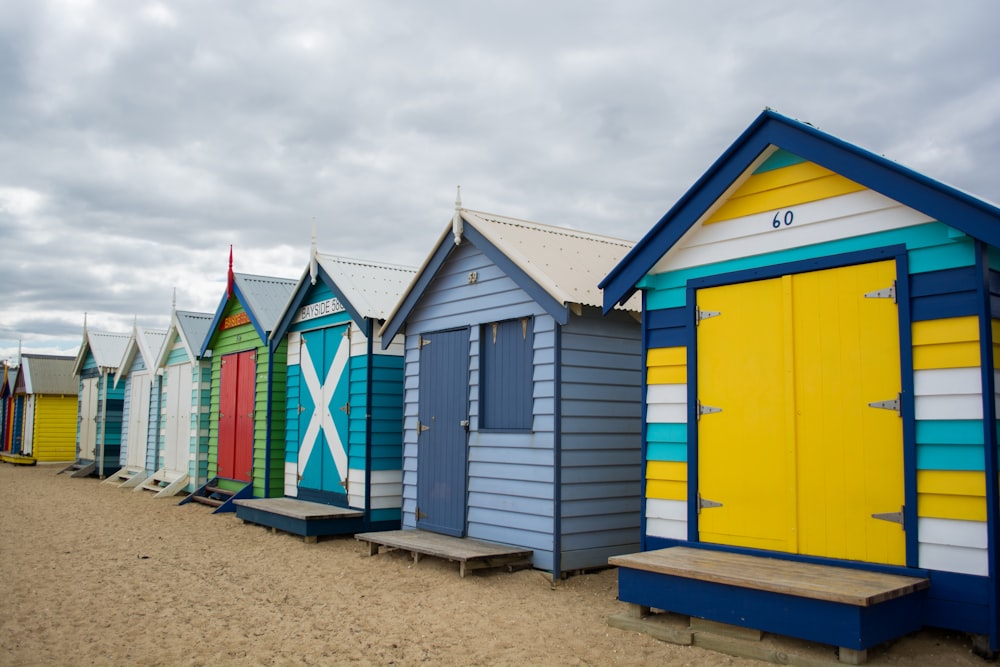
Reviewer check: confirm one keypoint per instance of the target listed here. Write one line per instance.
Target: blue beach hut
(343, 402)
(820, 396)
(522, 404)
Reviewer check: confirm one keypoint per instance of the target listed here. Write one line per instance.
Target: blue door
(442, 431)
(324, 377)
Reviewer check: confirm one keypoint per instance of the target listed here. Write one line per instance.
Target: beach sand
(97, 575)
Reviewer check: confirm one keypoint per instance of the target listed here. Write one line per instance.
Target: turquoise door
(442, 432)
(324, 378)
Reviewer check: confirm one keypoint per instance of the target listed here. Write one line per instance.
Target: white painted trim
(971, 534)
(962, 560)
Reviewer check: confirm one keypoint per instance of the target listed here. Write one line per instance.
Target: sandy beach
(98, 575)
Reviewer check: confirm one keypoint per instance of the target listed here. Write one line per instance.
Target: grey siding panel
(153, 432)
(601, 445)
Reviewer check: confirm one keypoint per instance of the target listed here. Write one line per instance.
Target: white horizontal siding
(666, 404)
(948, 393)
(291, 479)
(951, 545)
(386, 485)
(666, 519)
(831, 219)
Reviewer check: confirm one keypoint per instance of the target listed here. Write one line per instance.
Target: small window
(505, 375)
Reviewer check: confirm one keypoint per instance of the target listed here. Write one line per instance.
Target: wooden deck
(849, 608)
(861, 588)
(299, 517)
(470, 554)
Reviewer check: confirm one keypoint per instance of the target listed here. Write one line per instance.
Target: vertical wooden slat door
(237, 394)
(88, 418)
(442, 436)
(177, 430)
(796, 460)
(138, 420)
(324, 378)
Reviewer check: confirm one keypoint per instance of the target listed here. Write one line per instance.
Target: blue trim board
(990, 437)
(369, 382)
(644, 425)
(815, 620)
(904, 299)
(427, 273)
(692, 415)
(939, 201)
(557, 541)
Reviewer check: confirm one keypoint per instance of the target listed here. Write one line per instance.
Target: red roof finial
(229, 276)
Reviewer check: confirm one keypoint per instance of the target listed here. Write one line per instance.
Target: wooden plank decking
(861, 588)
(299, 517)
(470, 554)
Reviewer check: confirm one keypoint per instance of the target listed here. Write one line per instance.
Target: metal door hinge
(423, 342)
(302, 409)
(893, 517)
(419, 514)
(891, 404)
(706, 504)
(421, 427)
(885, 293)
(706, 409)
(346, 408)
(700, 315)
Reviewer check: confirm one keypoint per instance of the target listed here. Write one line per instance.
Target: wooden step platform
(849, 608)
(300, 517)
(470, 554)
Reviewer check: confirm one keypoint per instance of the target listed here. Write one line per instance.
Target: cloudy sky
(138, 140)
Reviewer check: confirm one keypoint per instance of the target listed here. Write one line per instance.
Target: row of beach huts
(778, 410)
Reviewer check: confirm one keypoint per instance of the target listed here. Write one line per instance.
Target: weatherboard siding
(54, 428)
(600, 450)
(238, 339)
(946, 353)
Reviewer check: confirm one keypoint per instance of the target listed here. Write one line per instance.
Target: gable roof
(49, 374)
(192, 328)
(941, 202)
(367, 289)
(262, 297)
(557, 266)
(146, 342)
(106, 347)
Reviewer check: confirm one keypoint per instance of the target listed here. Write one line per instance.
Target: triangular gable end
(302, 290)
(432, 265)
(774, 137)
(276, 289)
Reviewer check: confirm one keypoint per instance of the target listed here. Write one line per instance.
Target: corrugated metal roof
(266, 297)
(49, 374)
(566, 263)
(372, 288)
(194, 328)
(107, 348)
(144, 342)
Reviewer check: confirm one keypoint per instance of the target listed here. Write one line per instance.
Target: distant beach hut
(99, 427)
(180, 460)
(522, 403)
(343, 405)
(140, 407)
(247, 411)
(821, 418)
(7, 374)
(50, 403)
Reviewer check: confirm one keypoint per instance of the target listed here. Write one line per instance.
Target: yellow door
(797, 457)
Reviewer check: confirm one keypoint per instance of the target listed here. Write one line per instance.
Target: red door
(237, 392)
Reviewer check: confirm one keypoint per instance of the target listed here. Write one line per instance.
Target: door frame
(892, 252)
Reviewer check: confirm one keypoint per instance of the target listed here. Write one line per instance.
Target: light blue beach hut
(522, 403)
